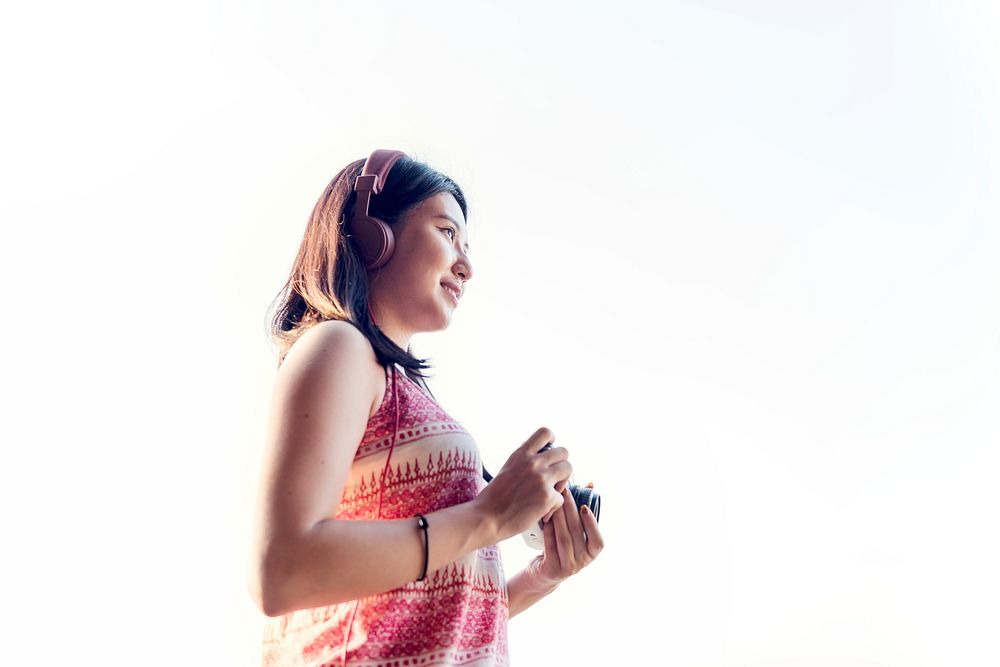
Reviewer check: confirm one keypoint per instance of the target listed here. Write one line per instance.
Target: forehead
(442, 204)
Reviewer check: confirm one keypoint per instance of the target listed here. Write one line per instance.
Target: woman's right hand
(528, 486)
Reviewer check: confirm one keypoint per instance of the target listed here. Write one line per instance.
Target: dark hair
(328, 280)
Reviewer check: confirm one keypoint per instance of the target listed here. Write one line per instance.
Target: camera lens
(584, 495)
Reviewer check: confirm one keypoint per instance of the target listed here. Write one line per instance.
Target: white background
(742, 258)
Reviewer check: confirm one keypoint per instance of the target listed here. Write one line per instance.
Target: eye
(452, 230)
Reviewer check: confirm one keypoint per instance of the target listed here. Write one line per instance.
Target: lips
(452, 287)
(451, 293)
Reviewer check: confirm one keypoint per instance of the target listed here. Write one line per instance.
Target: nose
(463, 267)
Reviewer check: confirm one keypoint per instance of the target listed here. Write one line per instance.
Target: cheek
(424, 263)
(433, 257)
(417, 275)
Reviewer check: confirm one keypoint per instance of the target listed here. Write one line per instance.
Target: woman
(376, 531)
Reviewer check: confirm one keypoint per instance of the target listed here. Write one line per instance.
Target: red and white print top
(458, 614)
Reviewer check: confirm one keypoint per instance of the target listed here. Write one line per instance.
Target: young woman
(376, 531)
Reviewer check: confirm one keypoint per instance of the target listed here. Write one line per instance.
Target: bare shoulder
(331, 348)
(335, 347)
(332, 335)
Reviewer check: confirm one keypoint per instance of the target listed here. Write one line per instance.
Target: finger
(564, 541)
(595, 541)
(554, 455)
(537, 440)
(559, 474)
(549, 541)
(575, 524)
(548, 515)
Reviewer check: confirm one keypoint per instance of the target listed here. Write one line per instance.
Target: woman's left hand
(572, 541)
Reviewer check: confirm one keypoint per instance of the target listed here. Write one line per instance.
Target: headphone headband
(372, 178)
(373, 237)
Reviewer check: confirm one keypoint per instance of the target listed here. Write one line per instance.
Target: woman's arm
(323, 395)
(523, 591)
(347, 560)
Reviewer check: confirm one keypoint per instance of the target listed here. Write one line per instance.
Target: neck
(392, 329)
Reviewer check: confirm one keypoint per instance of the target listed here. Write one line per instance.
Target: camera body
(582, 495)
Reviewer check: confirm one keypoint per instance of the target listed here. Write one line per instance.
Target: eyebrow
(448, 217)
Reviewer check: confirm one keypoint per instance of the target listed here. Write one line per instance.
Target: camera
(582, 495)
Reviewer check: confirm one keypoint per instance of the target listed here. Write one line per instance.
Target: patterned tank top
(457, 615)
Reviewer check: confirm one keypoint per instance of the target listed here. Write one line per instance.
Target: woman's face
(407, 294)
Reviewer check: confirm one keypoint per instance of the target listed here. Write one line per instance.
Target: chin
(445, 323)
(439, 323)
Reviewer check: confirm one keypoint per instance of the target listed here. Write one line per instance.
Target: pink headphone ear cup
(374, 239)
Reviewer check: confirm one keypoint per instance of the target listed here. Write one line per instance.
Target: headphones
(373, 237)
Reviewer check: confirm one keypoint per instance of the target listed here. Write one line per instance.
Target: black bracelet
(422, 522)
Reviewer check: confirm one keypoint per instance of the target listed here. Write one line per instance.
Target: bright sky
(738, 258)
